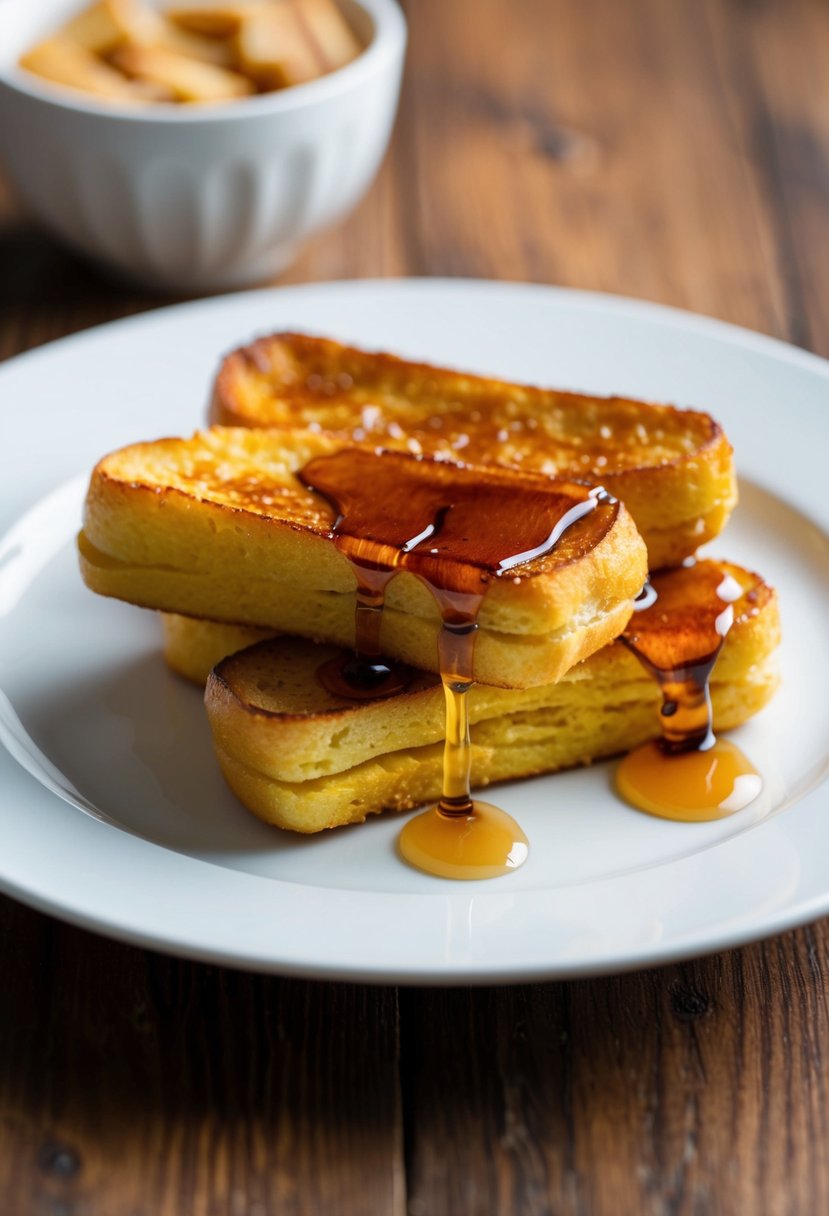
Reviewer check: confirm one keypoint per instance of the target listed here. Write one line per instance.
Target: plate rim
(705, 323)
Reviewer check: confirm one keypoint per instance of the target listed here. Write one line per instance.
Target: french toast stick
(303, 759)
(221, 527)
(672, 468)
(192, 647)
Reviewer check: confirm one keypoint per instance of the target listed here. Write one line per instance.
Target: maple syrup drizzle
(394, 512)
(366, 675)
(461, 837)
(687, 774)
(456, 651)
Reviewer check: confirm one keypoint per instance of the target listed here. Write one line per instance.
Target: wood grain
(131, 1083)
(695, 1089)
(660, 149)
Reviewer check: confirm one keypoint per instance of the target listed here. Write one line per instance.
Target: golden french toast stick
(673, 468)
(193, 647)
(221, 527)
(303, 759)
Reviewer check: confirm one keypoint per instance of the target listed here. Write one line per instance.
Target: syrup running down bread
(425, 521)
(455, 534)
(220, 527)
(460, 531)
(672, 468)
(305, 759)
(686, 773)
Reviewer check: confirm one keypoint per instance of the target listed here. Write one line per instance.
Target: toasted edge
(678, 504)
(380, 755)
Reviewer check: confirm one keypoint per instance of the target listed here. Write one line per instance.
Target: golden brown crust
(218, 527)
(673, 468)
(303, 759)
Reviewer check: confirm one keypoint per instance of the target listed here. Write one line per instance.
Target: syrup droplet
(688, 774)
(358, 678)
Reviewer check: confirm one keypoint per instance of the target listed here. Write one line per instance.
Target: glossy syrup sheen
(461, 837)
(394, 512)
(456, 529)
(687, 774)
(693, 786)
(485, 842)
(454, 525)
(366, 675)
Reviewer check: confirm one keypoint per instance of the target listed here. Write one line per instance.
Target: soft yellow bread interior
(219, 527)
(673, 468)
(303, 759)
(192, 647)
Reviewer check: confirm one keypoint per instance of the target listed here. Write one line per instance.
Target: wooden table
(673, 150)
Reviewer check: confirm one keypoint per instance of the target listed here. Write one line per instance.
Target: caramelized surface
(694, 608)
(672, 468)
(293, 380)
(220, 527)
(268, 473)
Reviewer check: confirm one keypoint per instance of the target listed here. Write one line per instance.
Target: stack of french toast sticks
(240, 536)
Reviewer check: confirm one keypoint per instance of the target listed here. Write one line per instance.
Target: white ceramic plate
(112, 810)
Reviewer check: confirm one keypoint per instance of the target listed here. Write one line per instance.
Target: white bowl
(197, 197)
